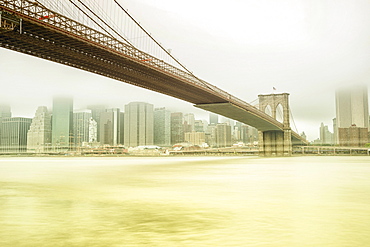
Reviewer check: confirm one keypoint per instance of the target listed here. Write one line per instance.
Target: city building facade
(4, 113)
(223, 135)
(353, 136)
(177, 127)
(81, 121)
(162, 127)
(138, 124)
(199, 126)
(107, 128)
(96, 110)
(93, 131)
(352, 115)
(213, 118)
(189, 122)
(326, 137)
(62, 123)
(14, 134)
(196, 138)
(39, 134)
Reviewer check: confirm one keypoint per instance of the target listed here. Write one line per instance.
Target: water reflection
(237, 201)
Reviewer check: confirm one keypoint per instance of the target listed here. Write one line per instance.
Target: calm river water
(185, 201)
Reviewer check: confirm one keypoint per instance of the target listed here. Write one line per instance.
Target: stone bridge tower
(275, 142)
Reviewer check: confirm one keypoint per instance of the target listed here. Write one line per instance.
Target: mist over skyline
(307, 48)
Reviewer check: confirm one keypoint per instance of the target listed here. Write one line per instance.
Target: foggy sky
(307, 48)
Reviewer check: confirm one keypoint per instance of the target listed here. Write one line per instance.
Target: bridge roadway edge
(235, 112)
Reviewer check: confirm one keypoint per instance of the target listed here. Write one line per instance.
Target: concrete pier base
(275, 143)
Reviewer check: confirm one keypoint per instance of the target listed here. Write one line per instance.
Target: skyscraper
(4, 113)
(352, 107)
(335, 129)
(62, 123)
(39, 134)
(211, 135)
(162, 127)
(110, 127)
(326, 137)
(177, 128)
(93, 130)
(139, 124)
(213, 118)
(106, 128)
(352, 116)
(116, 125)
(199, 126)
(96, 110)
(81, 121)
(14, 134)
(223, 135)
(244, 133)
(189, 121)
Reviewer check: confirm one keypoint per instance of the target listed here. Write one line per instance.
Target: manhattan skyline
(305, 48)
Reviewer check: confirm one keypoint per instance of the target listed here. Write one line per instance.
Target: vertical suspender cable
(161, 47)
(150, 36)
(103, 22)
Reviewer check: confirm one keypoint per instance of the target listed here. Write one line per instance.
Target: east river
(185, 201)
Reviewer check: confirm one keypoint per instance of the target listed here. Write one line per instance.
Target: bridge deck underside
(237, 113)
(234, 112)
(54, 45)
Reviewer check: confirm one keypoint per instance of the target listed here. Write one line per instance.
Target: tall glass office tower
(62, 123)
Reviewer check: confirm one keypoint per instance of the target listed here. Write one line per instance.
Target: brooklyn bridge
(52, 30)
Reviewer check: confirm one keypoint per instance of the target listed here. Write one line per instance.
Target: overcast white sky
(306, 48)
